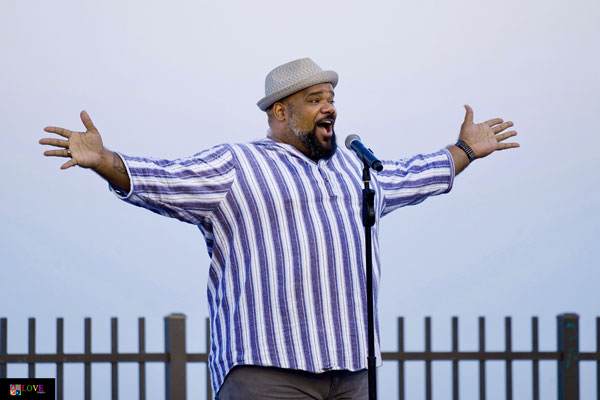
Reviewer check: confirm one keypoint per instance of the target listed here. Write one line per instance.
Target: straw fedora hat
(292, 77)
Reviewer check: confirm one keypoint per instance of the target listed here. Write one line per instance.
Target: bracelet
(468, 150)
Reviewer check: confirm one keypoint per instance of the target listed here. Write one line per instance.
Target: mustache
(328, 118)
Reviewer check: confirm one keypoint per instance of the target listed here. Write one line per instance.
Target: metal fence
(175, 357)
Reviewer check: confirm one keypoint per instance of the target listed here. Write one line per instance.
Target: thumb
(468, 115)
(87, 121)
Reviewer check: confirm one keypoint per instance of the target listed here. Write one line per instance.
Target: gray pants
(249, 382)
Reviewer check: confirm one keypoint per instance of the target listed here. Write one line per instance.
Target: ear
(279, 111)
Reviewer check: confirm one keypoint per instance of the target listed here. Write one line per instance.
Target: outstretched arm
(86, 150)
(483, 139)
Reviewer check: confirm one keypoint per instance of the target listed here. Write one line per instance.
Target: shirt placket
(322, 168)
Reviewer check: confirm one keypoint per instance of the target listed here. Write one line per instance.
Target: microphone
(353, 143)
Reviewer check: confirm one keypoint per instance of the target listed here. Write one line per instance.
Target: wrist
(105, 161)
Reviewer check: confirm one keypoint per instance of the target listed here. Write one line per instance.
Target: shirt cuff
(452, 170)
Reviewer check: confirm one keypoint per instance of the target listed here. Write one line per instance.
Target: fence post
(209, 394)
(3, 341)
(568, 365)
(175, 367)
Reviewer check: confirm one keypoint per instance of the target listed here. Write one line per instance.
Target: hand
(83, 148)
(485, 138)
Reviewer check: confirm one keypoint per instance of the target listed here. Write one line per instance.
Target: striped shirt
(286, 285)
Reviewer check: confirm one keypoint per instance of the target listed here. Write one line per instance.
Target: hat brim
(320, 77)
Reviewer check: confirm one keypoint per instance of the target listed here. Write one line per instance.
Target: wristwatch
(465, 147)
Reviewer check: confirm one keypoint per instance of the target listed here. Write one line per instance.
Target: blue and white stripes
(286, 283)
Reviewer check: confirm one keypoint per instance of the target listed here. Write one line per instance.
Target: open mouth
(326, 127)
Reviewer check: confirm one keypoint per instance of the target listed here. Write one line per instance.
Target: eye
(314, 101)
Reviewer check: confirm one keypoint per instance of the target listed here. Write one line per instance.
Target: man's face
(311, 118)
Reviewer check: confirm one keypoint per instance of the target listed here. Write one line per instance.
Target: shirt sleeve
(188, 189)
(410, 181)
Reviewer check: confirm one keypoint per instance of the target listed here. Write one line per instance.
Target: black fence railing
(567, 356)
(175, 357)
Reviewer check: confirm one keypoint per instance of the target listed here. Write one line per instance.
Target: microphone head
(350, 139)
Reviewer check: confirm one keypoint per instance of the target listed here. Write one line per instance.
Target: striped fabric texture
(286, 285)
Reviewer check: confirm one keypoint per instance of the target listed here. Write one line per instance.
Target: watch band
(468, 150)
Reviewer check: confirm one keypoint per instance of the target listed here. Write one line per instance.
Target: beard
(316, 150)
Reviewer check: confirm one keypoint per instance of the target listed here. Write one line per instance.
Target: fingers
(501, 127)
(55, 142)
(504, 146)
(506, 135)
(61, 131)
(65, 152)
(87, 121)
(85, 118)
(468, 115)
(495, 121)
(68, 164)
(57, 153)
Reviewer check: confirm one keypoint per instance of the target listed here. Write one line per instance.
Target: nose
(328, 108)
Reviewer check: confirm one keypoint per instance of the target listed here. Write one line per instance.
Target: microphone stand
(368, 216)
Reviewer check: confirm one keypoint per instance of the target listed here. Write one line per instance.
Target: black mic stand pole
(368, 215)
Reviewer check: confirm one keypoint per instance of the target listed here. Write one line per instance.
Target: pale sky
(517, 235)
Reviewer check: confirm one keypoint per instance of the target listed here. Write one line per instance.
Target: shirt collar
(294, 151)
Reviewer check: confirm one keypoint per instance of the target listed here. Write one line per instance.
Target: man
(282, 222)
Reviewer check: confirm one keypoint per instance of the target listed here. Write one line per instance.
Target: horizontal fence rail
(175, 357)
